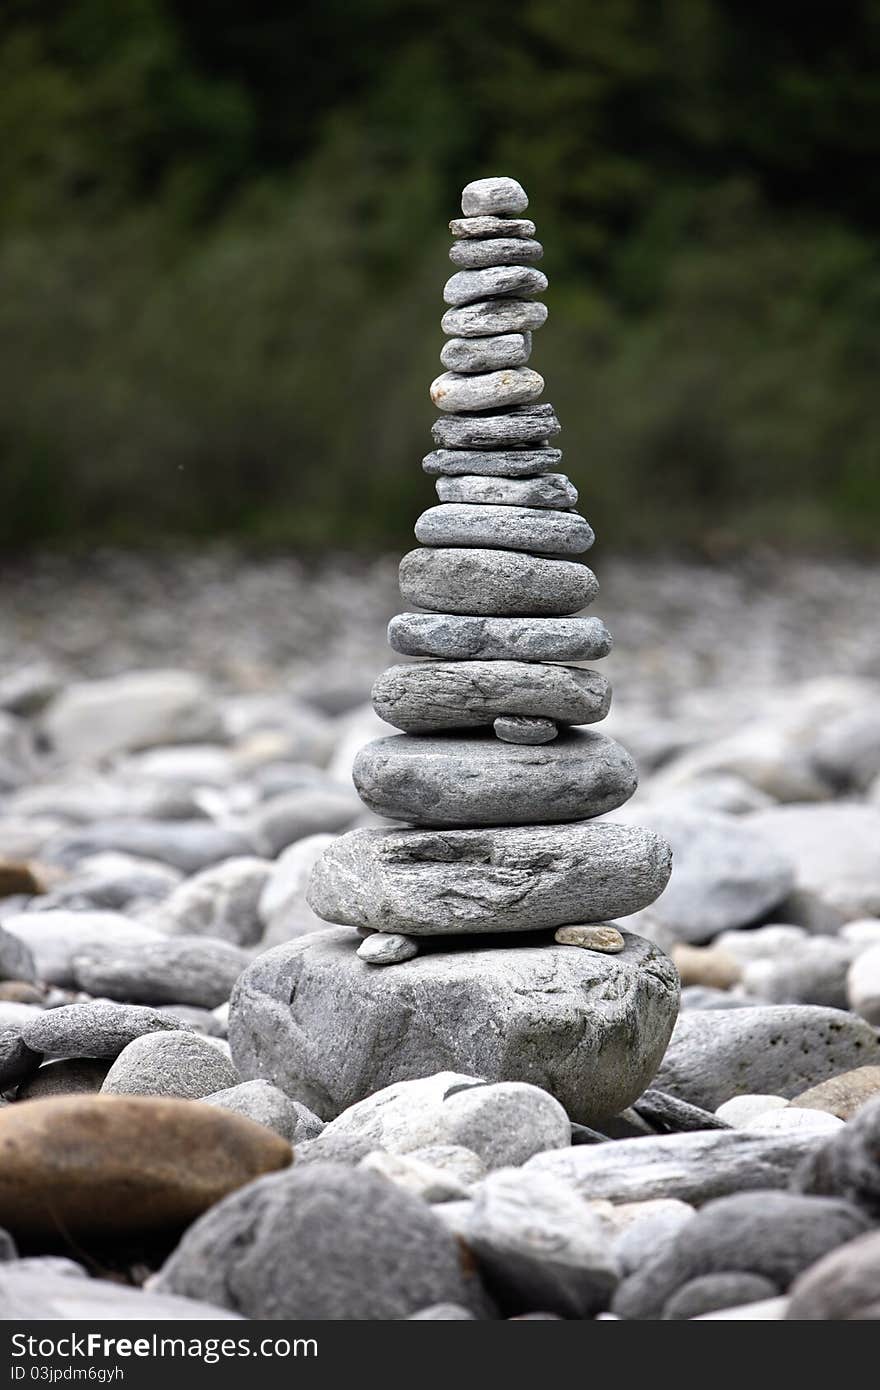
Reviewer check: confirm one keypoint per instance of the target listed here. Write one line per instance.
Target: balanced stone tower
(492, 902)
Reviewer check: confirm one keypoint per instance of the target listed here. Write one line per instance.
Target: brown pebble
(21, 992)
(17, 876)
(841, 1095)
(706, 965)
(591, 938)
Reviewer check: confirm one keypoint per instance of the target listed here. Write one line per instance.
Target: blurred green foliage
(223, 242)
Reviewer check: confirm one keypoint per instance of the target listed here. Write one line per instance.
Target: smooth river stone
(475, 779)
(492, 316)
(491, 463)
(481, 227)
(547, 490)
(486, 354)
(433, 695)
(494, 197)
(523, 424)
(477, 255)
(509, 879)
(507, 528)
(520, 728)
(453, 391)
(506, 583)
(495, 282)
(450, 636)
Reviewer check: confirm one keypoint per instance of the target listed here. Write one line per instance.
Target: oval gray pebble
(494, 582)
(522, 424)
(479, 227)
(507, 528)
(486, 354)
(387, 949)
(521, 728)
(491, 463)
(493, 197)
(494, 282)
(547, 490)
(493, 316)
(434, 695)
(477, 255)
(456, 391)
(471, 638)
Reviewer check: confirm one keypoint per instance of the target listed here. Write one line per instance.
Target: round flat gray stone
(492, 463)
(494, 197)
(478, 253)
(427, 696)
(521, 728)
(499, 639)
(505, 528)
(494, 282)
(475, 779)
(588, 1028)
(547, 490)
(456, 391)
(521, 424)
(387, 948)
(171, 970)
(180, 1064)
(98, 1028)
(478, 227)
(486, 354)
(510, 879)
(491, 316)
(494, 583)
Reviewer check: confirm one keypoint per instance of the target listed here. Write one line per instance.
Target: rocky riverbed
(176, 740)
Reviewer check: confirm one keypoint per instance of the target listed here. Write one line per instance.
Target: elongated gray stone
(491, 463)
(497, 196)
(387, 948)
(453, 391)
(434, 695)
(475, 779)
(521, 728)
(525, 424)
(494, 282)
(503, 583)
(547, 490)
(448, 635)
(479, 254)
(98, 1028)
(507, 528)
(507, 879)
(480, 227)
(492, 316)
(486, 354)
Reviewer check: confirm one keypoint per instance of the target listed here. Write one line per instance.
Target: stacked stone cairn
(501, 870)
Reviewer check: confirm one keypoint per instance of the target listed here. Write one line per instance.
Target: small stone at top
(498, 197)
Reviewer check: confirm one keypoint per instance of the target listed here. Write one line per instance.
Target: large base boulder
(329, 1029)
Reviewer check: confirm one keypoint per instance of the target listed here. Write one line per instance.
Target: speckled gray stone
(480, 227)
(491, 463)
(97, 1028)
(499, 639)
(265, 1104)
(491, 316)
(170, 1064)
(427, 696)
(587, 1028)
(547, 490)
(494, 282)
(474, 779)
(486, 354)
(505, 583)
(17, 1061)
(477, 254)
(382, 948)
(507, 879)
(456, 392)
(498, 196)
(520, 728)
(171, 970)
(522, 424)
(507, 528)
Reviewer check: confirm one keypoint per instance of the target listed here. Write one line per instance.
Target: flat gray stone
(587, 1028)
(16, 959)
(493, 197)
(188, 845)
(509, 879)
(486, 354)
(322, 1242)
(494, 282)
(710, 1293)
(547, 490)
(26, 1294)
(425, 696)
(475, 779)
(17, 1061)
(520, 728)
(98, 1028)
(521, 424)
(842, 1286)
(442, 1312)
(170, 970)
(479, 227)
(387, 948)
(778, 1049)
(492, 316)
(457, 392)
(171, 1064)
(56, 936)
(495, 583)
(71, 1077)
(507, 528)
(499, 639)
(275, 824)
(491, 463)
(265, 1104)
(221, 902)
(476, 253)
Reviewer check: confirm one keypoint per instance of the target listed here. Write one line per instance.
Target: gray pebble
(475, 779)
(507, 528)
(188, 845)
(170, 1064)
(842, 1286)
(499, 639)
(711, 1292)
(495, 583)
(479, 227)
(191, 1016)
(284, 819)
(267, 1105)
(673, 1116)
(99, 1028)
(477, 254)
(492, 463)
(486, 354)
(522, 424)
(73, 1076)
(56, 936)
(494, 282)
(221, 901)
(547, 490)
(442, 1312)
(519, 728)
(381, 949)
(455, 392)
(17, 1060)
(428, 696)
(493, 316)
(171, 970)
(494, 197)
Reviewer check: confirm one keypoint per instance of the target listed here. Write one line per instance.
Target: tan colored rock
(16, 876)
(21, 992)
(841, 1095)
(110, 1165)
(591, 938)
(706, 965)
